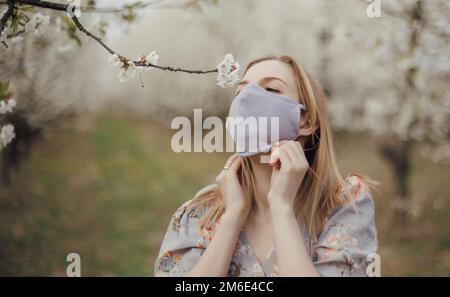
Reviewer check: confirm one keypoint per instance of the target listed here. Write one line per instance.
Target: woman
(292, 216)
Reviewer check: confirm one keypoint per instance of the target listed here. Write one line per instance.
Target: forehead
(271, 68)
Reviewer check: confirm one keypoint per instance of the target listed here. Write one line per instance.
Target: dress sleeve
(182, 246)
(349, 236)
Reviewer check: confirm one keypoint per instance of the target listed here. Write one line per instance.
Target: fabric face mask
(258, 118)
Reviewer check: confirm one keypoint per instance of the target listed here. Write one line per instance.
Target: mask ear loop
(316, 145)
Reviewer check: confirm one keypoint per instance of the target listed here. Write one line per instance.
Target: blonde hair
(322, 185)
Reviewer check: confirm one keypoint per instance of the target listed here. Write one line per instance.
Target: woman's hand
(289, 168)
(237, 205)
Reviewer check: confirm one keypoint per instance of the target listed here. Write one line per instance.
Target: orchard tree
(40, 40)
(20, 19)
(389, 77)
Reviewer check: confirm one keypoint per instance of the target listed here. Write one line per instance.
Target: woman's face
(274, 76)
(277, 77)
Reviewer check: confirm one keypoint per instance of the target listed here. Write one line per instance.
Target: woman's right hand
(236, 204)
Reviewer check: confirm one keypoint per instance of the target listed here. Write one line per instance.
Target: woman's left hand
(289, 168)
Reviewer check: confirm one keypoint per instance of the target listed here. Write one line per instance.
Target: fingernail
(273, 155)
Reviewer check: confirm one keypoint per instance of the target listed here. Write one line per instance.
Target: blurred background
(91, 169)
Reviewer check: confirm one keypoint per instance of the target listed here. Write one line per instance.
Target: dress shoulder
(357, 187)
(349, 235)
(183, 242)
(194, 212)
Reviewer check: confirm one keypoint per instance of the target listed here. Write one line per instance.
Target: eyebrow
(264, 79)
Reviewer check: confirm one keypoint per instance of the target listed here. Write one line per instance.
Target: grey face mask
(258, 118)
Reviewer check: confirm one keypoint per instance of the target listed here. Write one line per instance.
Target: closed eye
(272, 90)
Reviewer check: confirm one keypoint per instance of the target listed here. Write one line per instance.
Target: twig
(119, 9)
(138, 5)
(66, 8)
(137, 63)
(7, 14)
(175, 69)
(85, 31)
(44, 4)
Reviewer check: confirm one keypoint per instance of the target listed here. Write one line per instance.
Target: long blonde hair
(322, 185)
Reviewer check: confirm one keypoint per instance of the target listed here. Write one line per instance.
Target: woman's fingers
(274, 154)
(233, 163)
(293, 148)
(279, 147)
(230, 161)
(236, 164)
(275, 160)
(284, 156)
(229, 171)
(296, 151)
(288, 152)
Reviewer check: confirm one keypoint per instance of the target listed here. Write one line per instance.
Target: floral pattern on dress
(348, 237)
(255, 270)
(355, 186)
(339, 240)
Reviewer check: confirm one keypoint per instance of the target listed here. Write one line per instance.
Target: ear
(306, 127)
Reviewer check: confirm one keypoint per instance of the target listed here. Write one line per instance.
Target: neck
(263, 173)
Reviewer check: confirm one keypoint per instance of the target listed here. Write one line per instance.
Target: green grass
(107, 186)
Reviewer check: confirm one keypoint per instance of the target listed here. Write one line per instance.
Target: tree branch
(44, 4)
(137, 63)
(79, 25)
(137, 5)
(85, 31)
(174, 69)
(7, 14)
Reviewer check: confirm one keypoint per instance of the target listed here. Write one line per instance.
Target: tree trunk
(398, 154)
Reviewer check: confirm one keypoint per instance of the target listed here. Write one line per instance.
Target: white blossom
(227, 71)
(38, 18)
(131, 69)
(152, 58)
(398, 87)
(7, 106)
(42, 26)
(114, 60)
(128, 70)
(123, 75)
(141, 69)
(7, 134)
(38, 24)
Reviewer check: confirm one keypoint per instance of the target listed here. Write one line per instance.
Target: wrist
(232, 218)
(281, 208)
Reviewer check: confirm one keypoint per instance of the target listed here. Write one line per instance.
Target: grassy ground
(107, 186)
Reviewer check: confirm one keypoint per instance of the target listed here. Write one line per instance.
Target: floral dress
(348, 238)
